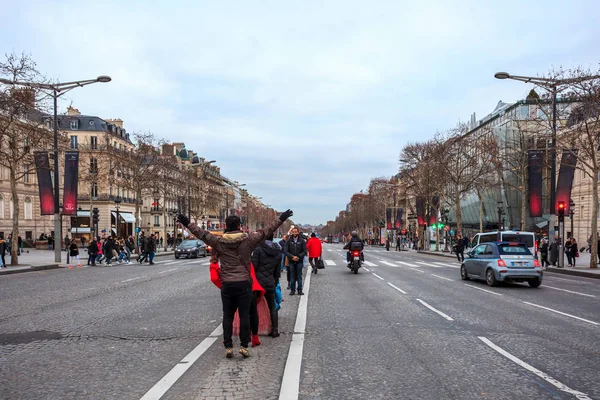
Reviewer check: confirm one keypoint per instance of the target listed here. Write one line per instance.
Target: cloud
(304, 102)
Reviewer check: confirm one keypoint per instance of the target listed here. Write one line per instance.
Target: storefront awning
(542, 224)
(83, 213)
(125, 216)
(80, 230)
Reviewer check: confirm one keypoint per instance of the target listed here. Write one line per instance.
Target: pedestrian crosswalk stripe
(388, 263)
(329, 262)
(447, 265)
(369, 264)
(407, 264)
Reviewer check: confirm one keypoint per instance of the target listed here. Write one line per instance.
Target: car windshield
(527, 240)
(189, 243)
(513, 249)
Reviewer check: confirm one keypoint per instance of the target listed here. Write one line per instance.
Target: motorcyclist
(355, 243)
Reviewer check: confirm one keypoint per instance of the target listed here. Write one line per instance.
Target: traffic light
(561, 211)
(95, 216)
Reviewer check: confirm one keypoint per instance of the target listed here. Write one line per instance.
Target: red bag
(264, 314)
(215, 274)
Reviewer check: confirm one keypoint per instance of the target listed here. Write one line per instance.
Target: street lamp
(55, 91)
(571, 214)
(553, 86)
(117, 204)
(500, 212)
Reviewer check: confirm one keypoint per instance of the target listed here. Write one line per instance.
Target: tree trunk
(480, 212)
(14, 245)
(458, 215)
(594, 249)
(165, 231)
(437, 239)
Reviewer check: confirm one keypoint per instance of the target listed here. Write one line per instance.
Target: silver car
(502, 262)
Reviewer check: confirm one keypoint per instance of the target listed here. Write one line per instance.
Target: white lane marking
(562, 313)
(443, 277)
(369, 264)
(389, 264)
(397, 288)
(447, 265)
(133, 279)
(169, 270)
(290, 384)
(543, 375)
(171, 262)
(418, 270)
(431, 265)
(366, 269)
(162, 386)
(407, 264)
(329, 262)
(569, 291)
(435, 310)
(377, 276)
(483, 290)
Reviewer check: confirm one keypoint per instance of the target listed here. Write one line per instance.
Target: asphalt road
(405, 327)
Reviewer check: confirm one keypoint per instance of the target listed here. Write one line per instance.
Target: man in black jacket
(295, 251)
(266, 260)
(355, 243)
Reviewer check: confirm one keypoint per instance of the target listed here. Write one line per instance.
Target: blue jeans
(151, 256)
(296, 275)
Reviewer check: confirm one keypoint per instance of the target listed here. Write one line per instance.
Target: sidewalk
(582, 262)
(32, 260)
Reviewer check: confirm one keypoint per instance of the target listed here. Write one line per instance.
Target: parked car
(502, 262)
(191, 248)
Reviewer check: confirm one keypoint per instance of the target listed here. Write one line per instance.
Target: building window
(156, 220)
(1, 206)
(28, 208)
(94, 142)
(110, 190)
(94, 191)
(524, 111)
(74, 124)
(26, 178)
(28, 235)
(93, 165)
(74, 142)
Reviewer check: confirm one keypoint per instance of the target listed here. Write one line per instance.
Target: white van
(527, 238)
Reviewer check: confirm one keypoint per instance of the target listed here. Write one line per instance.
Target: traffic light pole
(561, 234)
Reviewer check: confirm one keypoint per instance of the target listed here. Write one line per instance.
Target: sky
(304, 102)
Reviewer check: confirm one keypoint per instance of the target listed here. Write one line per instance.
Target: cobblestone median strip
(177, 372)
(290, 385)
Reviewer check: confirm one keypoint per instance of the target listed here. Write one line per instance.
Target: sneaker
(79, 265)
(300, 293)
(245, 352)
(70, 266)
(292, 293)
(229, 353)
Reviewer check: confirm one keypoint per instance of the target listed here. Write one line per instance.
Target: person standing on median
(235, 249)
(459, 248)
(295, 251)
(266, 260)
(284, 260)
(315, 251)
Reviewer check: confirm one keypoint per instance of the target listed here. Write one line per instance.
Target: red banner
(535, 182)
(388, 218)
(398, 222)
(42, 166)
(71, 179)
(566, 173)
(420, 203)
(435, 201)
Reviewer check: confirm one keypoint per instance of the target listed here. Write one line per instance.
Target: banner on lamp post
(420, 205)
(534, 172)
(566, 173)
(42, 166)
(388, 218)
(433, 210)
(398, 222)
(70, 186)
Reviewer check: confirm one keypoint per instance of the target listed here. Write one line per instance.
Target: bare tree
(23, 129)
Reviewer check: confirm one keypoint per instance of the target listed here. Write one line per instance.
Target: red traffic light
(561, 205)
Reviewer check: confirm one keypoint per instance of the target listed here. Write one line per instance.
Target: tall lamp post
(554, 86)
(55, 90)
(571, 215)
(117, 221)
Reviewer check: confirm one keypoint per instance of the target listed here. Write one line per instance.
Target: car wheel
(535, 282)
(463, 273)
(490, 277)
(205, 254)
(177, 256)
(195, 255)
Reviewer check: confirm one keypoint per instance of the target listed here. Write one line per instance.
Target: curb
(565, 271)
(30, 269)
(437, 253)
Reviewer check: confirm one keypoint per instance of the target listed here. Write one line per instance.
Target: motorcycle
(356, 263)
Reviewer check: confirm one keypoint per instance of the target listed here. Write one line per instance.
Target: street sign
(452, 232)
(446, 228)
(137, 230)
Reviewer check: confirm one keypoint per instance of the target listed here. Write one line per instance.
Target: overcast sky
(302, 101)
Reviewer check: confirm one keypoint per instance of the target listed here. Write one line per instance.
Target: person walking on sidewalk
(234, 249)
(315, 251)
(295, 251)
(398, 242)
(92, 252)
(83, 242)
(544, 253)
(284, 260)
(459, 248)
(151, 248)
(143, 245)
(2, 250)
(74, 253)
(266, 260)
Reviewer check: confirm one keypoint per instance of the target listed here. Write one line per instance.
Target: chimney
(72, 111)
(116, 122)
